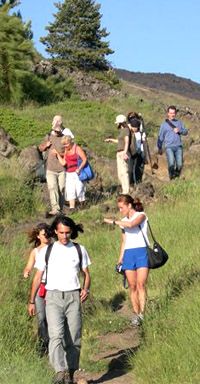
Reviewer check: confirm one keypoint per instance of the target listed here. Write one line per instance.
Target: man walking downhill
(55, 173)
(170, 134)
(64, 297)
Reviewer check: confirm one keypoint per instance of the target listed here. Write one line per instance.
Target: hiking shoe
(59, 378)
(136, 321)
(69, 377)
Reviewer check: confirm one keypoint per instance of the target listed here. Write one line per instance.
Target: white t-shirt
(37, 255)
(139, 137)
(63, 266)
(133, 236)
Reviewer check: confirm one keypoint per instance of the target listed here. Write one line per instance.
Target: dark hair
(133, 115)
(68, 222)
(124, 125)
(34, 232)
(135, 203)
(172, 107)
(134, 119)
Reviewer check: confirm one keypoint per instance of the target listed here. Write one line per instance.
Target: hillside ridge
(163, 81)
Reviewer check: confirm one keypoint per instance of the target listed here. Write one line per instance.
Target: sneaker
(69, 377)
(136, 321)
(59, 378)
(141, 316)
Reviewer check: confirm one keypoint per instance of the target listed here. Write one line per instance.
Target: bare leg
(72, 203)
(142, 275)
(132, 283)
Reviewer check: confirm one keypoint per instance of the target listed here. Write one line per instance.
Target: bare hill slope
(162, 81)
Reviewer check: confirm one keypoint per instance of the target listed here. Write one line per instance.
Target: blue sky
(146, 35)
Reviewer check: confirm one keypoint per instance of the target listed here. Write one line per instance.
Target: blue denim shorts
(135, 258)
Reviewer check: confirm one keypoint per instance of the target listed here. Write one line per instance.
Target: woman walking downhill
(123, 154)
(74, 188)
(133, 252)
(40, 236)
(139, 157)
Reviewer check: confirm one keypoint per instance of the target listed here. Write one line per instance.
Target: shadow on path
(118, 365)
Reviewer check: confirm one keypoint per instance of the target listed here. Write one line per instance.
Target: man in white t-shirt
(64, 297)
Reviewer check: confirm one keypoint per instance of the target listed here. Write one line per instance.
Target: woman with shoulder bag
(133, 251)
(74, 187)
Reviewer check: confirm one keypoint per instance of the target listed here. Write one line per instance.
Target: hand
(176, 130)
(125, 156)
(77, 171)
(31, 310)
(54, 152)
(48, 144)
(84, 294)
(26, 273)
(108, 140)
(108, 221)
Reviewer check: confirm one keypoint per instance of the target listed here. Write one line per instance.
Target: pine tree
(12, 3)
(15, 54)
(75, 37)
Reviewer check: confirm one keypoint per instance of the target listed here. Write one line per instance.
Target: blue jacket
(168, 136)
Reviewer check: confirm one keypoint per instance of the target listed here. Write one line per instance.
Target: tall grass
(19, 196)
(171, 344)
(168, 353)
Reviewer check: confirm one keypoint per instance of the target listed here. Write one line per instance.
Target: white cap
(120, 119)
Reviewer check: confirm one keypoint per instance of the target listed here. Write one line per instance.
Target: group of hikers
(64, 161)
(133, 151)
(57, 293)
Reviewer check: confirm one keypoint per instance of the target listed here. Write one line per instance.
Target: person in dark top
(123, 153)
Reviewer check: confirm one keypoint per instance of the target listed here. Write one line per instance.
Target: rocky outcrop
(86, 85)
(90, 88)
(45, 68)
(7, 147)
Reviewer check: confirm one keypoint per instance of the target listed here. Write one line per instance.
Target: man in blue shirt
(170, 134)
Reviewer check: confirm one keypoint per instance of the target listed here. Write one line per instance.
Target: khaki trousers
(123, 172)
(56, 186)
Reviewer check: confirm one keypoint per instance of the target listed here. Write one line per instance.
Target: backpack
(49, 249)
(132, 144)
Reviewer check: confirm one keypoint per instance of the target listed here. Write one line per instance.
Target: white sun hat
(120, 119)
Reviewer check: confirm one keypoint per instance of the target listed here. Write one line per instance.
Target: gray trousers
(56, 186)
(42, 321)
(63, 310)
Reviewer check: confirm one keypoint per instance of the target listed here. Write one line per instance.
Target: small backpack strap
(170, 123)
(47, 254)
(78, 248)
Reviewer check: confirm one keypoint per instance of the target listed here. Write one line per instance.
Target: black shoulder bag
(157, 256)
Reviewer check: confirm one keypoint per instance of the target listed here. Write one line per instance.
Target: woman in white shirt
(133, 251)
(40, 236)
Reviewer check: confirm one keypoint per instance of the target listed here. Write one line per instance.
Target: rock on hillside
(86, 85)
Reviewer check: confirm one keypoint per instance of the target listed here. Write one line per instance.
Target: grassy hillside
(172, 311)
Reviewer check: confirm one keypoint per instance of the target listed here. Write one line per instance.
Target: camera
(118, 269)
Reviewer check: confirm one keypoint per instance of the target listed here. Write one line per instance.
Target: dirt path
(116, 349)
